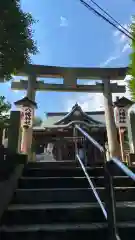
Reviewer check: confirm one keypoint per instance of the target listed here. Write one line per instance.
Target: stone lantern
(27, 113)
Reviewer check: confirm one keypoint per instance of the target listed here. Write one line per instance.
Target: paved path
(45, 157)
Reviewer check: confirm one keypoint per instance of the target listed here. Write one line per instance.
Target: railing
(123, 167)
(109, 210)
(92, 186)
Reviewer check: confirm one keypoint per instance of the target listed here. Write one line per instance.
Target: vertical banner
(121, 118)
(27, 116)
(26, 123)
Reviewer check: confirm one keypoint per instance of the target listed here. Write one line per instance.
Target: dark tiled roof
(123, 102)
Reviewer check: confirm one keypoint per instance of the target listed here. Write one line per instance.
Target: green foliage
(37, 121)
(16, 38)
(132, 63)
(131, 86)
(4, 110)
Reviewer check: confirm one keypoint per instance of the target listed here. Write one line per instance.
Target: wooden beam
(41, 86)
(81, 73)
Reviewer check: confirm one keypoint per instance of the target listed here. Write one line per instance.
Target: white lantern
(27, 111)
(121, 116)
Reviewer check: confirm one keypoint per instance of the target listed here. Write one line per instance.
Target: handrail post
(75, 142)
(110, 203)
(85, 155)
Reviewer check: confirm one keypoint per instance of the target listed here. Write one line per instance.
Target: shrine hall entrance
(63, 149)
(59, 135)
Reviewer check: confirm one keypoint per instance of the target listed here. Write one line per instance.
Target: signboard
(27, 116)
(121, 117)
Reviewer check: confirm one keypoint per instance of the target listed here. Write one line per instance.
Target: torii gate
(70, 76)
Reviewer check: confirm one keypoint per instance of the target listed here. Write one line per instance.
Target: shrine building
(58, 130)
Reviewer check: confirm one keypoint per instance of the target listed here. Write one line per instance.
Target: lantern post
(27, 113)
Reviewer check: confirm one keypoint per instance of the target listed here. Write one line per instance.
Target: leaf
(4, 111)
(131, 84)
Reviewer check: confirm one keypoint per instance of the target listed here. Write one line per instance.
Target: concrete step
(53, 195)
(71, 182)
(54, 231)
(84, 213)
(63, 213)
(33, 196)
(65, 231)
(53, 165)
(60, 172)
(67, 172)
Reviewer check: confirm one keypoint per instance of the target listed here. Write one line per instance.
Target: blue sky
(68, 34)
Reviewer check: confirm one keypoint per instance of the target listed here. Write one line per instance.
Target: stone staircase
(53, 201)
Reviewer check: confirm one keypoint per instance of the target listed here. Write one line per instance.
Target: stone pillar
(14, 132)
(31, 94)
(113, 144)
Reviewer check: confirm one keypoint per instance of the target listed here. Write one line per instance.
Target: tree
(132, 63)
(37, 122)
(16, 38)
(4, 111)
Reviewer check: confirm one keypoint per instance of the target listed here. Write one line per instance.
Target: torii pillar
(113, 144)
(31, 94)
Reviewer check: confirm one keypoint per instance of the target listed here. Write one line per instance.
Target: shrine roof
(54, 120)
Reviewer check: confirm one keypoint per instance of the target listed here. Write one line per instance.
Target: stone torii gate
(70, 76)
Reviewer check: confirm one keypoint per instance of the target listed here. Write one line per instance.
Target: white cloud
(123, 38)
(63, 21)
(110, 59)
(116, 33)
(125, 47)
(121, 46)
(95, 101)
(92, 102)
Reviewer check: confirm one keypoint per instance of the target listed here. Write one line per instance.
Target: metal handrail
(91, 139)
(124, 168)
(121, 165)
(92, 186)
(110, 207)
(85, 171)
